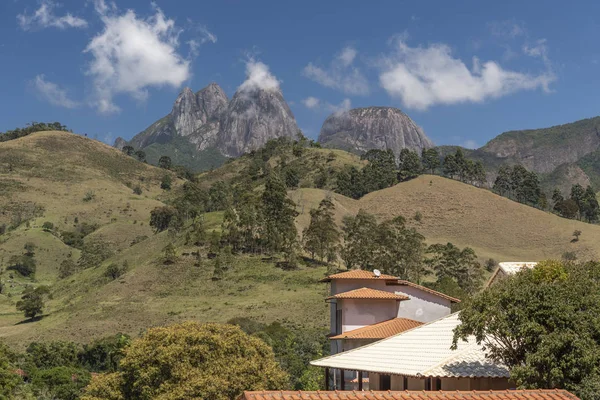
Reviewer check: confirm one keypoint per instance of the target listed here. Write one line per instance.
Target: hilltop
(452, 211)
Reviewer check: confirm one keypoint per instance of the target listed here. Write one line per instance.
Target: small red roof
(554, 394)
(368, 293)
(380, 330)
(401, 282)
(358, 274)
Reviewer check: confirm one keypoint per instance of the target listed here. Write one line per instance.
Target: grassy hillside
(467, 216)
(46, 177)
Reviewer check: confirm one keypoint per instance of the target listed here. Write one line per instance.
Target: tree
(104, 355)
(161, 217)
(140, 155)
(279, 213)
(322, 237)
(114, 270)
(65, 383)
(53, 354)
(165, 182)
(409, 165)
(169, 254)
(359, 246)
(9, 381)
(48, 226)
(451, 168)
(292, 178)
(430, 158)
(590, 207)
(191, 360)
(128, 150)
(542, 324)
(380, 172)
(557, 199)
(502, 184)
(137, 190)
(399, 250)
(165, 162)
(32, 301)
(67, 268)
(568, 208)
(448, 261)
(578, 196)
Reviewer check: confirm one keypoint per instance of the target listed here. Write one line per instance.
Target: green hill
(70, 181)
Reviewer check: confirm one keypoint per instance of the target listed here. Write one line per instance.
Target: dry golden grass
(454, 212)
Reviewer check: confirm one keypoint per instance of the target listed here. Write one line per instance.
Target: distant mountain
(204, 128)
(562, 155)
(362, 129)
(253, 117)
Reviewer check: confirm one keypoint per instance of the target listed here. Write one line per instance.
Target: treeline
(523, 186)
(31, 128)
(383, 170)
(192, 359)
(582, 204)
(392, 247)
(58, 369)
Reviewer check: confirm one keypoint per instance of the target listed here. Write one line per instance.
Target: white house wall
(362, 312)
(422, 306)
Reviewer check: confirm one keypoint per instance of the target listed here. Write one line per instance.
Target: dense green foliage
(543, 324)
(520, 185)
(57, 370)
(32, 301)
(294, 347)
(32, 128)
(191, 360)
(322, 237)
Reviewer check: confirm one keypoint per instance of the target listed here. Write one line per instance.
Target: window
(338, 321)
(385, 382)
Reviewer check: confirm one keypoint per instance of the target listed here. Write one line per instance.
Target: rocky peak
(213, 101)
(363, 129)
(253, 117)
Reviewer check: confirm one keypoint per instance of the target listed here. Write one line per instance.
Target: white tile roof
(421, 352)
(511, 268)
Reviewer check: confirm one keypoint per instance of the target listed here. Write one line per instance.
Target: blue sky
(465, 71)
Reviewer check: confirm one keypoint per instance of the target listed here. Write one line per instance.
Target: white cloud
(470, 144)
(132, 54)
(311, 102)
(539, 50)
(424, 76)
(258, 76)
(44, 17)
(341, 74)
(509, 29)
(52, 93)
(315, 104)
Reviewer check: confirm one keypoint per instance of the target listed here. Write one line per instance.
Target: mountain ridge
(209, 121)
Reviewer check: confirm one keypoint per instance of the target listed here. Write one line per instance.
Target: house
(417, 359)
(367, 306)
(406, 395)
(505, 269)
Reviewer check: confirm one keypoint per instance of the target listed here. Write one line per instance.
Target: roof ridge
(388, 338)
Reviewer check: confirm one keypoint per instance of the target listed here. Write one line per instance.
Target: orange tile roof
(358, 274)
(380, 330)
(554, 394)
(401, 282)
(368, 293)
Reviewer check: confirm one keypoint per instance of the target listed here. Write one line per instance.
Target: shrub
(137, 190)
(48, 226)
(89, 196)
